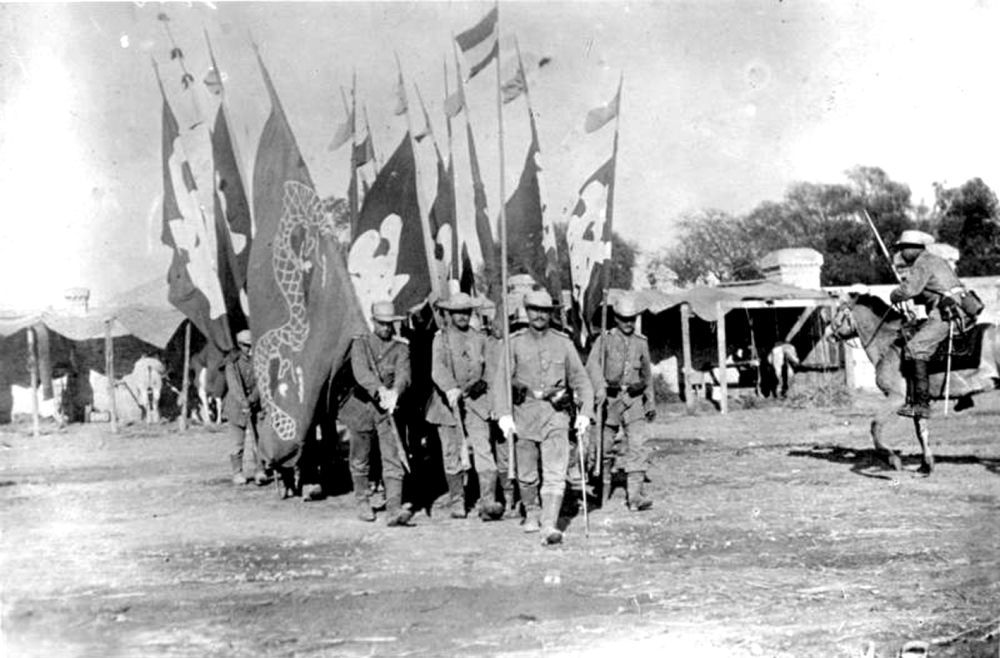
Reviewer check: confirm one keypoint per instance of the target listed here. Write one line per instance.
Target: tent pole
(721, 339)
(686, 368)
(182, 422)
(33, 374)
(109, 370)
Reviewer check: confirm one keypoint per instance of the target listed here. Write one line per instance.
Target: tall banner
(387, 260)
(588, 239)
(232, 223)
(193, 282)
(303, 311)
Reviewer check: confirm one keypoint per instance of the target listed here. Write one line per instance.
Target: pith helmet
(539, 299)
(460, 301)
(626, 307)
(911, 238)
(243, 337)
(385, 312)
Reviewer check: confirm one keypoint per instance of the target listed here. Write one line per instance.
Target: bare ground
(775, 533)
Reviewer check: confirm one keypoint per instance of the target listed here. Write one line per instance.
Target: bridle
(846, 310)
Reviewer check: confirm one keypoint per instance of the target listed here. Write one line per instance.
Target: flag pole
(455, 268)
(352, 195)
(368, 129)
(185, 381)
(424, 225)
(505, 316)
(33, 375)
(606, 276)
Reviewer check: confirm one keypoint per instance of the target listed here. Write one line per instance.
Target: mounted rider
(930, 282)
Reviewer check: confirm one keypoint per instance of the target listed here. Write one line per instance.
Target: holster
(613, 389)
(476, 389)
(561, 399)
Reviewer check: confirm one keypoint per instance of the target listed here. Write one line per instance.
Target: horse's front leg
(923, 435)
(879, 421)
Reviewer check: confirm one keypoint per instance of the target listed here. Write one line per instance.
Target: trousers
(360, 443)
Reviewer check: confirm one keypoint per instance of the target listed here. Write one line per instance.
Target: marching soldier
(242, 406)
(626, 388)
(547, 379)
(931, 282)
(460, 407)
(380, 363)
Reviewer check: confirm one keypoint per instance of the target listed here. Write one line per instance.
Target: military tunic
(542, 362)
(459, 359)
(929, 279)
(374, 363)
(241, 405)
(626, 370)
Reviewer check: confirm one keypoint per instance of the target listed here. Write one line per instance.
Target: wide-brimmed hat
(539, 299)
(626, 307)
(243, 337)
(913, 238)
(385, 312)
(460, 301)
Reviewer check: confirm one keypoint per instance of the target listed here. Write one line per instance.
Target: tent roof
(703, 300)
(151, 324)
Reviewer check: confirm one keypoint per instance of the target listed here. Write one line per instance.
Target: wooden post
(686, 370)
(186, 377)
(33, 378)
(721, 338)
(109, 370)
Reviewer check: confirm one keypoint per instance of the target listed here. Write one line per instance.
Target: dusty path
(773, 534)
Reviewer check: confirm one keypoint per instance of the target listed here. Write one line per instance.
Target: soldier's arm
(914, 284)
(646, 372)
(441, 373)
(361, 367)
(594, 365)
(401, 382)
(579, 380)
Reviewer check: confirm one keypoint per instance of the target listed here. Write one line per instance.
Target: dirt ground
(774, 533)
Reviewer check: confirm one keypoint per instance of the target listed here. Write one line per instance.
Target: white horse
(145, 382)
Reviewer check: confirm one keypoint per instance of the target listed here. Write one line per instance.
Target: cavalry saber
(387, 416)
(947, 367)
(888, 256)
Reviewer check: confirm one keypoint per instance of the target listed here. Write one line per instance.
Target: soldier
(931, 282)
(380, 363)
(546, 376)
(242, 407)
(626, 388)
(460, 406)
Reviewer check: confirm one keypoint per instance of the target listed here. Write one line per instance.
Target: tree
(968, 220)
(713, 246)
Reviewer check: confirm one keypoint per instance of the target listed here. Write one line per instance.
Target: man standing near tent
(626, 387)
(380, 363)
(459, 406)
(242, 406)
(547, 379)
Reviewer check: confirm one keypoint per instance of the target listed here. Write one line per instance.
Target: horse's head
(861, 314)
(842, 326)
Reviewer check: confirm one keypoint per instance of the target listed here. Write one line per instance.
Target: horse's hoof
(927, 467)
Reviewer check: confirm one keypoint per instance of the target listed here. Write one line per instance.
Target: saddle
(966, 351)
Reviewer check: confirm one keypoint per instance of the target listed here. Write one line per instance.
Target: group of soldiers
(548, 409)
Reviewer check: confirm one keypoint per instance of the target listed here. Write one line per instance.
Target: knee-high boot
(636, 492)
(921, 390)
(551, 503)
(398, 515)
(365, 511)
(489, 508)
(456, 494)
(529, 498)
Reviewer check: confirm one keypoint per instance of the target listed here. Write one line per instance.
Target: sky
(725, 103)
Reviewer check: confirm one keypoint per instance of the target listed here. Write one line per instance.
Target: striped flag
(480, 44)
(599, 116)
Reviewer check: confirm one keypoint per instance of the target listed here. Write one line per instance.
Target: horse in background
(145, 383)
(877, 325)
(779, 370)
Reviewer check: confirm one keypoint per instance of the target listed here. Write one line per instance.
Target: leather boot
(507, 485)
(398, 514)
(456, 494)
(529, 498)
(636, 492)
(921, 390)
(551, 503)
(365, 511)
(236, 464)
(489, 508)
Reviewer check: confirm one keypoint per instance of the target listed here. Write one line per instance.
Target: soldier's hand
(581, 424)
(453, 395)
(506, 423)
(387, 399)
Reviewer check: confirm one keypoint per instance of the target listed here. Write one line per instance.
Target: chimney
(77, 300)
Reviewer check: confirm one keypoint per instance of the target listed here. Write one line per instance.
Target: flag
(455, 103)
(480, 43)
(387, 259)
(588, 239)
(193, 282)
(401, 107)
(513, 88)
(527, 230)
(484, 230)
(345, 132)
(364, 152)
(599, 116)
(303, 311)
(232, 223)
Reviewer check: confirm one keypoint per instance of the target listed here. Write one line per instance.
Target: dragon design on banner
(294, 251)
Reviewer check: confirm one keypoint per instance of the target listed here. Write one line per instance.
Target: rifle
(459, 416)
(387, 416)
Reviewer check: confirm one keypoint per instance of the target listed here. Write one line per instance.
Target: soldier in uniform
(460, 408)
(380, 363)
(931, 282)
(242, 406)
(547, 379)
(626, 388)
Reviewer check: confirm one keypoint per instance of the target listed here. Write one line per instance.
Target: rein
(866, 342)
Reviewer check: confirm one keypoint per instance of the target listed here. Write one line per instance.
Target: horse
(877, 325)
